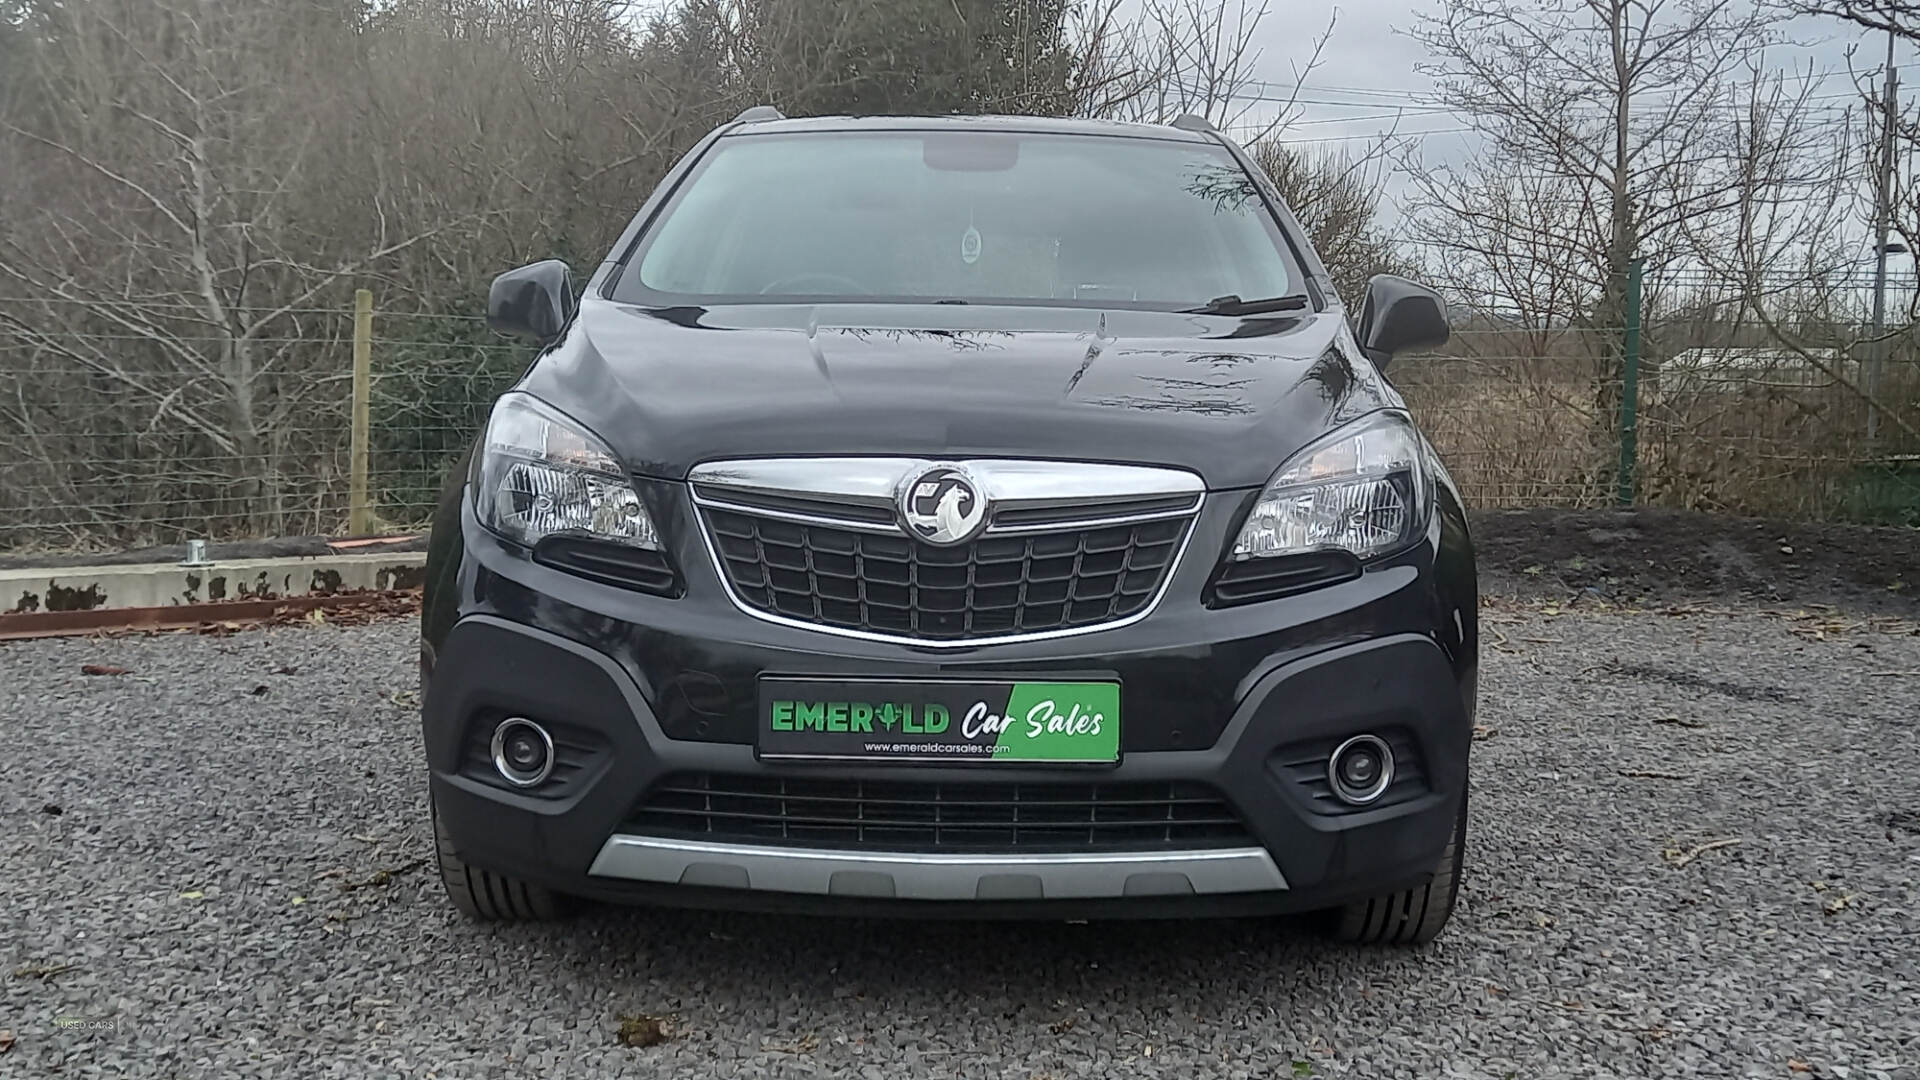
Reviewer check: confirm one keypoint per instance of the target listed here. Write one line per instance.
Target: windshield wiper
(1231, 304)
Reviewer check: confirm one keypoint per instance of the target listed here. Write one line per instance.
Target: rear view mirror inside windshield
(968, 152)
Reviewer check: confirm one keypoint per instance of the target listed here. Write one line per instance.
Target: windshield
(980, 217)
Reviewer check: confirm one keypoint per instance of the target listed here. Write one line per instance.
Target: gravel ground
(215, 864)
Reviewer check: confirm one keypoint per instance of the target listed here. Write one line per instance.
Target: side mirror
(535, 301)
(1400, 316)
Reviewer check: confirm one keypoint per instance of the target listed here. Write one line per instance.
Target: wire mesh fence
(172, 429)
(1525, 420)
(165, 428)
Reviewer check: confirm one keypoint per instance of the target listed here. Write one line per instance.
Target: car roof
(1048, 125)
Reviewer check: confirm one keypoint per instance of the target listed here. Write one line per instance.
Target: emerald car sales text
(859, 716)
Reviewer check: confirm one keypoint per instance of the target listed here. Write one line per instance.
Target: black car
(986, 516)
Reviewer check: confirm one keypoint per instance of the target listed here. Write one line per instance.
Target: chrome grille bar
(820, 508)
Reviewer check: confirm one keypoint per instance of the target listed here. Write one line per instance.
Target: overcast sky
(1367, 71)
(1367, 85)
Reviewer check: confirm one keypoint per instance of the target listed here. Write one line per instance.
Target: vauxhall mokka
(977, 517)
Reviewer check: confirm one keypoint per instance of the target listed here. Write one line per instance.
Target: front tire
(489, 897)
(1411, 916)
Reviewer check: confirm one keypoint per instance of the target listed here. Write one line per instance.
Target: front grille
(925, 816)
(996, 585)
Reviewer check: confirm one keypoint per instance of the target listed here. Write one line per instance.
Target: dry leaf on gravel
(643, 1031)
(361, 609)
(805, 1044)
(382, 876)
(1681, 857)
(103, 669)
(40, 971)
(6, 1041)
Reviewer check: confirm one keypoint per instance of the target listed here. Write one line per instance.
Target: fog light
(522, 751)
(1360, 769)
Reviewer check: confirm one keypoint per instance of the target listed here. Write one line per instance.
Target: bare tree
(176, 264)
(1200, 58)
(1601, 126)
(1337, 199)
(1901, 127)
(1900, 17)
(1824, 236)
(194, 188)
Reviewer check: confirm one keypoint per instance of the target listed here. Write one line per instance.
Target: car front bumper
(655, 688)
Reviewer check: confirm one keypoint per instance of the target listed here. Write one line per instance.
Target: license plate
(957, 722)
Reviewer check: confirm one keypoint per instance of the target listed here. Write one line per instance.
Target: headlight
(542, 475)
(1362, 488)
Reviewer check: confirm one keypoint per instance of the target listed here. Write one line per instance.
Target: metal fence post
(359, 507)
(1630, 387)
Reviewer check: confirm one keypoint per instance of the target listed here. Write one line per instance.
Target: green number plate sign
(932, 720)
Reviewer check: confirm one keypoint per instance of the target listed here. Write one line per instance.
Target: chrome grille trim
(869, 480)
(992, 529)
(997, 529)
(1103, 490)
(854, 524)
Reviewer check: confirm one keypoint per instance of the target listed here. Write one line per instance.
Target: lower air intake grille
(888, 815)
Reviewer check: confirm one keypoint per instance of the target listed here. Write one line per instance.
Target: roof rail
(1191, 122)
(759, 114)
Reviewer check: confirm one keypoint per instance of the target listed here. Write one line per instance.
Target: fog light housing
(522, 752)
(1360, 770)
